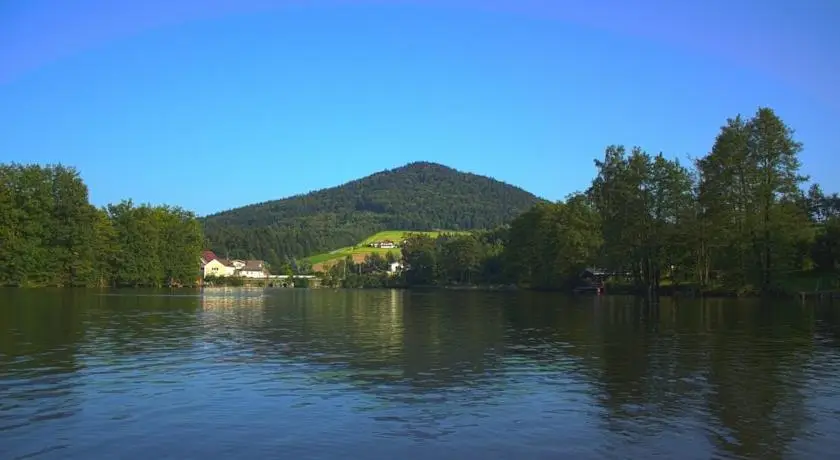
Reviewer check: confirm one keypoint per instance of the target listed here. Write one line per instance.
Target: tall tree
(460, 257)
(420, 253)
(750, 190)
(642, 202)
(71, 239)
(181, 239)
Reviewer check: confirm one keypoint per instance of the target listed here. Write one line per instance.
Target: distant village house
(252, 269)
(395, 267)
(215, 266)
(386, 244)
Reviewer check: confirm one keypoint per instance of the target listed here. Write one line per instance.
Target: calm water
(392, 374)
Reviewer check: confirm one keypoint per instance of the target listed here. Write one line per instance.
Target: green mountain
(417, 196)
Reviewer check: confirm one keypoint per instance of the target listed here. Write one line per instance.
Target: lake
(335, 374)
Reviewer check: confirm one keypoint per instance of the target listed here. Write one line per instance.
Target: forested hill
(417, 196)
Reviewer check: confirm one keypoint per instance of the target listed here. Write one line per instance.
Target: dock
(597, 290)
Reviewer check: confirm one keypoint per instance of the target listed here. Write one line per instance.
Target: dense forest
(418, 196)
(736, 220)
(50, 235)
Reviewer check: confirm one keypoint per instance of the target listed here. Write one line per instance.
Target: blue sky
(220, 103)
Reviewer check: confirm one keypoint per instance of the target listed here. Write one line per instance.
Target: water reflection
(38, 359)
(370, 374)
(221, 298)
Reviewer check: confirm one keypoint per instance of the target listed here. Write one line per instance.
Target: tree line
(735, 220)
(50, 235)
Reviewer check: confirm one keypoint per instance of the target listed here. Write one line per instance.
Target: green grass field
(348, 251)
(399, 235)
(363, 248)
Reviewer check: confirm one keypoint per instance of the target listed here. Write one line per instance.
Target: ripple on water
(372, 375)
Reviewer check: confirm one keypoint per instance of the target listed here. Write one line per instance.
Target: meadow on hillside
(362, 248)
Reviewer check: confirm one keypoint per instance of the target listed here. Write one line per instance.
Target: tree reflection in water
(610, 375)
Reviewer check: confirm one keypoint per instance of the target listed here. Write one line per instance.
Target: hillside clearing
(359, 251)
(399, 235)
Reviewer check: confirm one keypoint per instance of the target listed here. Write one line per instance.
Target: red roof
(208, 256)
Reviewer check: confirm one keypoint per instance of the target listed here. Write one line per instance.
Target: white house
(219, 267)
(395, 267)
(253, 269)
(206, 256)
(240, 268)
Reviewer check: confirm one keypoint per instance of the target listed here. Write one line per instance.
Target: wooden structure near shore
(593, 280)
(829, 295)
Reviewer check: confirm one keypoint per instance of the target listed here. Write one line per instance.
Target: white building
(395, 267)
(219, 267)
(253, 269)
(387, 244)
(241, 268)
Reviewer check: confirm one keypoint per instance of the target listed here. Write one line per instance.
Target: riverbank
(801, 285)
(818, 287)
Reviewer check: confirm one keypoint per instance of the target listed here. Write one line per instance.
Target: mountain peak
(425, 165)
(419, 166)
(420, 195)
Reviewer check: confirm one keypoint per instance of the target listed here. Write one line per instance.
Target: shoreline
(666, 291)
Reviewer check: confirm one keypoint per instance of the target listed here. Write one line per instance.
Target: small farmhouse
(214, 266)
(206, 257)
(386, 244)
(395, 267)
(253, 269)
(219, 267)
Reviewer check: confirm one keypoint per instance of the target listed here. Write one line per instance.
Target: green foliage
(230, 281)
(645, 206)
(423, 255)
(415, 197)
(372, 273)
(826, 249)
(739, 219)
(50, 235)
(399, 235)
(736, 222)
(455, 259)
(551, 244)
(300, 282)
(365, 249)
(159, 245)
(749, 190)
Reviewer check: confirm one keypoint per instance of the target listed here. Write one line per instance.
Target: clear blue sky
(214, 104)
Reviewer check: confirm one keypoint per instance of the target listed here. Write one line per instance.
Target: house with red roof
(211, 265)
(219, 267)
(207, 256)
(204, 259)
